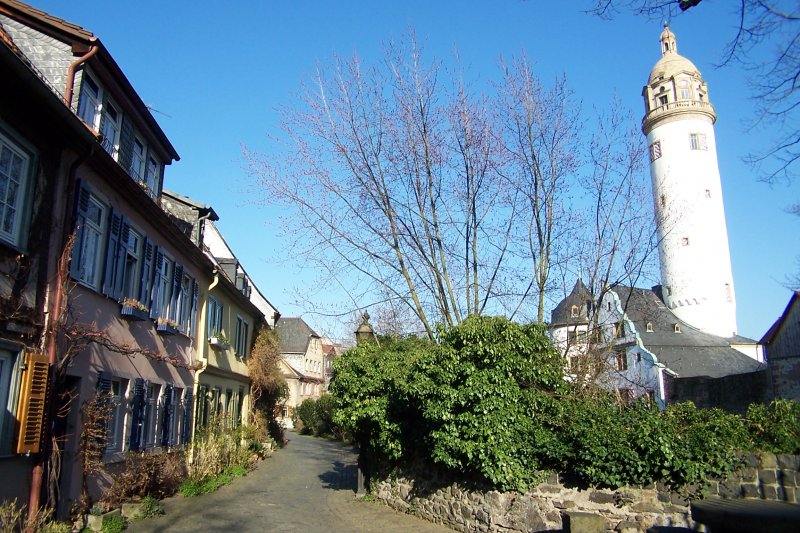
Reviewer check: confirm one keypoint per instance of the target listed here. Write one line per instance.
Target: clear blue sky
(216, 72)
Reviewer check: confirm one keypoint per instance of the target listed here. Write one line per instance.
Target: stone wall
(733, 393)
(629, 509)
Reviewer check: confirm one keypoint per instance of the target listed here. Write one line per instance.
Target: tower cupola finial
(668, 43)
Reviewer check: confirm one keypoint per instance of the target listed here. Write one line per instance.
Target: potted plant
(133, 309)
(219, 340)
(167, 326)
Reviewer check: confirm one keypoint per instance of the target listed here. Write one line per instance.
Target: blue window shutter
(146, 274)
(79, 218)
(103, 388)
(187, 416)
(166, 419)
(137, 414)
(158, 261)
(112, 252)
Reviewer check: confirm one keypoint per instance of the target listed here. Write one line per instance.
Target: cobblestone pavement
(307, 486)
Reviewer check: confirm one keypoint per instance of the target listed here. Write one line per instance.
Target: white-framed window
(152, 175)
(109, 128)
(185, 303)
(131, 275)
(150, 418)
(137, 159)
(9, 372)
(165, 286)
(114, 427)
(14, 172)
(240, 337)
(573, 312)
(655, 151)
(649, 327)
(215, 310)
(90, 103)
(698, 141)
(87, 255)
(684, 90)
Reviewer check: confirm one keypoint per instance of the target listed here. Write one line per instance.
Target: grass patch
(204, 485)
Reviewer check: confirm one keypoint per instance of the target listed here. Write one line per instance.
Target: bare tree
(393, 174)
(542, 130)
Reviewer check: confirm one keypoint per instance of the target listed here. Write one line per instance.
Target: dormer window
(573, 311)
(152, 177)
(677, 328)
(649, 327)
(137, 160)
(89, 102)
(109, 128)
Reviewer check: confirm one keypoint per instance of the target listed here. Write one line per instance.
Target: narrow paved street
(307, 486)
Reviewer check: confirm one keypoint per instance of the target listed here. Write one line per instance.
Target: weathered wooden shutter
(104, 391)
(146, 274)
(113, 252)
(79, 220)
(137, 414)
(166, 420)
(158, 261)
(31, 409)
(187, 416)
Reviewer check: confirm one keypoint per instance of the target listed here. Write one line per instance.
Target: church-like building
(677, 341)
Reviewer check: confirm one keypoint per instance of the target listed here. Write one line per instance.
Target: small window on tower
(708, 193)
(685, 91)
(669, 291)
(728, 296)
(663, 99)
(677, 328)
(574, 312)
(685, 241)
(649, 327)
(655, 151)
(663, 200)
(697, 141)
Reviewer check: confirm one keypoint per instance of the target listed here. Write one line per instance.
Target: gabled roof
(81, 40)
(769, 336)
(294, 334)
(689, 353)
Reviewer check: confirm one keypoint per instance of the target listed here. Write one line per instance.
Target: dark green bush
(775, 427)
(482, 393)
(489, 401)
(306, 413)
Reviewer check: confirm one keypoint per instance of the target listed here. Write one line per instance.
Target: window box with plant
(220, 341)
(134, 309)
(166, 326)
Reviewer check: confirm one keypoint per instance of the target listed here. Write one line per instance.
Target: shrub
(482, 392)
(371, 399)
(149, 507)
(114, 524)
(148, 474)
(218, 446)
(14, 518)
(306, 413)
(775, 427)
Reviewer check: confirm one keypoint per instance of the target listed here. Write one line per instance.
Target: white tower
(696, 278)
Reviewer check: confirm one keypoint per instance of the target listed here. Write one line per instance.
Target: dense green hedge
(489, 401)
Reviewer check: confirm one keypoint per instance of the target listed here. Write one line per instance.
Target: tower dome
(696, 277)
(674, 86)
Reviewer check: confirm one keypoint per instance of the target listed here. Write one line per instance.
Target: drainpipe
(204, 341)
(71, 72)
(52, 318)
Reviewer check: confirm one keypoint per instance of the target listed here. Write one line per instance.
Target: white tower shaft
(696, 276)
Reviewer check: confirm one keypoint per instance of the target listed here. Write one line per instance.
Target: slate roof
(689, 353)
(562, 314)
(294, 334)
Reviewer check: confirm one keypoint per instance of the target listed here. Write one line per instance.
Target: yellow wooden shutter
(32, 398)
